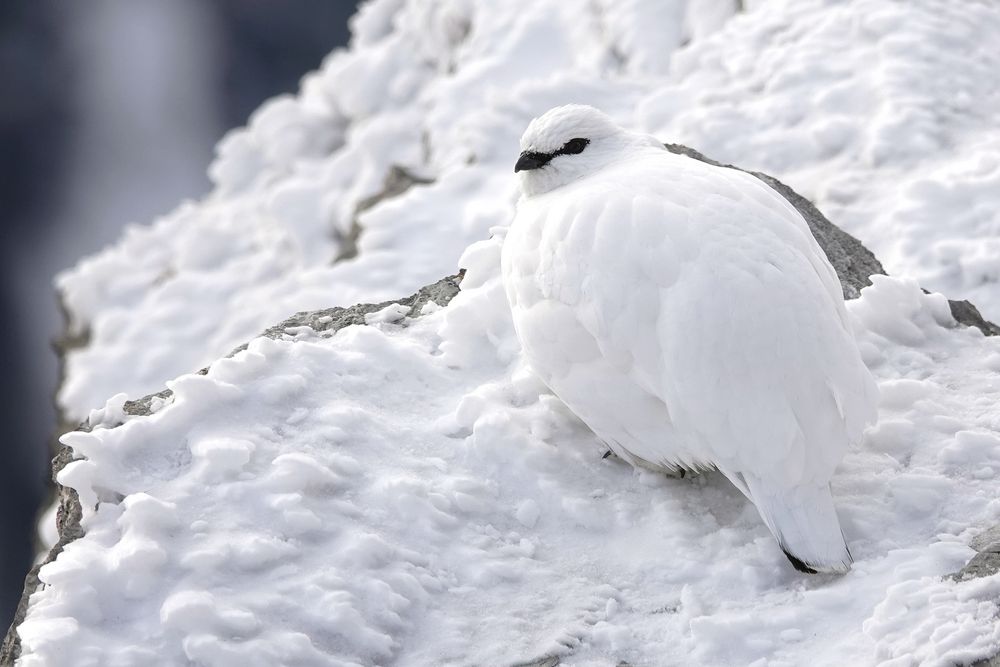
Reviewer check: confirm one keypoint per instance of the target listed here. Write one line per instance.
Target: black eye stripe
(534, 160)
(572, 147)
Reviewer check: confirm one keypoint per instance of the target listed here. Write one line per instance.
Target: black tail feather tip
(798, 564)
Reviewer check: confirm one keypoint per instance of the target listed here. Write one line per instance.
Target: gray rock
(68, 511)
(987, 561)
(988, 540)
(983, 564)
(397, 181)
(967, 314)
(547, 661)
(554, 661)
(68, 518)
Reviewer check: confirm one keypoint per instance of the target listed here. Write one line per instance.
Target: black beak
(530, 160)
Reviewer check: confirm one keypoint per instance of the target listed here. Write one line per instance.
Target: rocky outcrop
(985, 563)
(853, 262)
(967, 314)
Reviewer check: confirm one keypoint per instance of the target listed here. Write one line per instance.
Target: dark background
(109, 112)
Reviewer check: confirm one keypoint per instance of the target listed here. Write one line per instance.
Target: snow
(407, 492)
(937, 623)
(288, 507)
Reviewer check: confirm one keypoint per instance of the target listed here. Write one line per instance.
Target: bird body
(687, 315)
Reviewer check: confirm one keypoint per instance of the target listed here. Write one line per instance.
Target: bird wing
(707, 289)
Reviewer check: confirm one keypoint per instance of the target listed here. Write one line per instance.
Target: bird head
(569, 142)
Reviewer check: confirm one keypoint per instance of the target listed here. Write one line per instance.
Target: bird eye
(574, 146)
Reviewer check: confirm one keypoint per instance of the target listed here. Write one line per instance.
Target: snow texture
(406, 492)
(285, 508)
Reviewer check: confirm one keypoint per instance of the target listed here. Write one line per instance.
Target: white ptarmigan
(687, 315)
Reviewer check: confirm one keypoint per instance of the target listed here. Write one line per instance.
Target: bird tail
(805, 523)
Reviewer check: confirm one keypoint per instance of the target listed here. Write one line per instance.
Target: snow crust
(407, 492)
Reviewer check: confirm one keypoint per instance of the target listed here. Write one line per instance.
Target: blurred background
(110, 111)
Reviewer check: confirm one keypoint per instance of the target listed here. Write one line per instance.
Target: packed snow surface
(407, 492)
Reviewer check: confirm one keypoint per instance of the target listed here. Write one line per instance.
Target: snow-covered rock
(402, 478)
(405, 491)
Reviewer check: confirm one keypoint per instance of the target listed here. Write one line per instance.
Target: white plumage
(688, 316)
